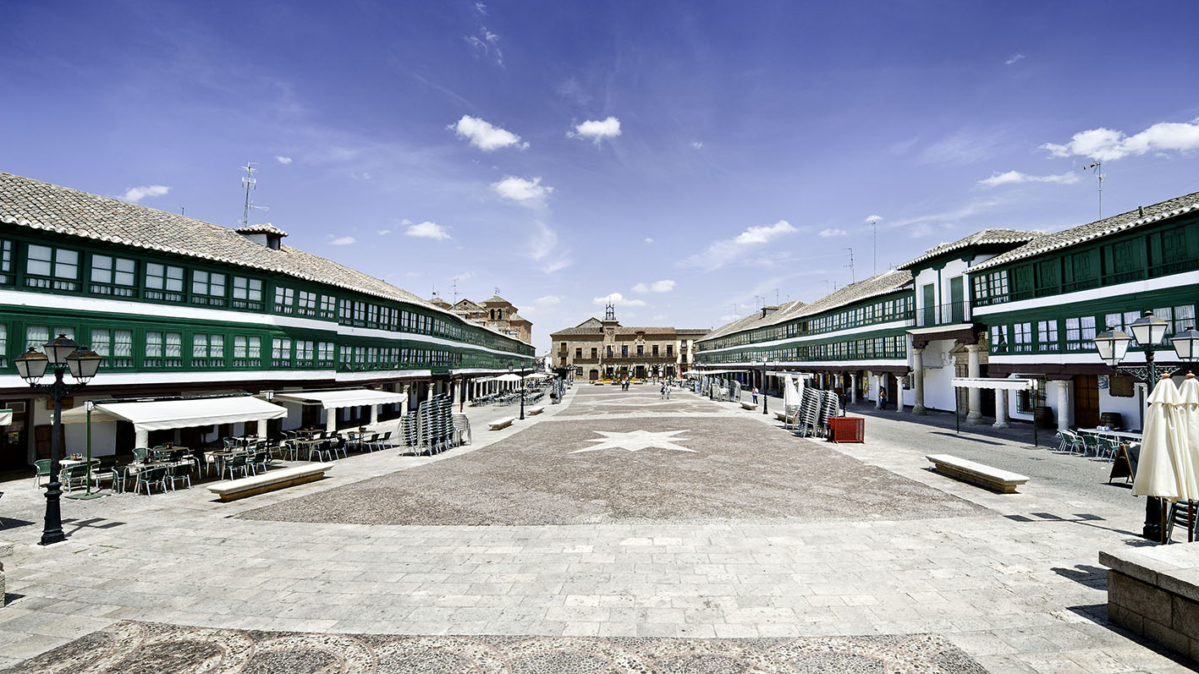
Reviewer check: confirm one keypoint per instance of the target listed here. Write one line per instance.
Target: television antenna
(1096, 167)
(455, 279)
(251, 184)
(873, 222)
(852, 275)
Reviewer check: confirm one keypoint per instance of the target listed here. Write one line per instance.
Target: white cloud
(486, 43)
(136, 194)
(960, 148)
(697, 144)
(427, 230)
(414, 274)
(723, 252)
(1013, 59)
(874, 219)
(526, 192)
(480, 8)
(547, 301)
(659, 317)
(383, 232)
(484, 135)
(1109, 144)
(832, 231)
(655, 287)
(596, 130)
(544, 241)
(618, 300)
(342, 241)
(648, 240)
(466, 275)
(283, 160)
(729, 318)
(1015, 177)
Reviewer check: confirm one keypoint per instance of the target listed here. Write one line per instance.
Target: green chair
(180, 472)
(43, 470)
(149, 476)
(140, 454)
(74, 476)
(120, 478)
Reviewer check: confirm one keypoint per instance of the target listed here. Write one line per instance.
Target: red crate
(847, 429)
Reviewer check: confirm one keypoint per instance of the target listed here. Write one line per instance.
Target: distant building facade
(605, 349)
(496, 313)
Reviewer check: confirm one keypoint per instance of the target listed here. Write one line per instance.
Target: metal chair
(140, 454)
(149, 476)
(43, 470)
(179, 472)
(237, 462)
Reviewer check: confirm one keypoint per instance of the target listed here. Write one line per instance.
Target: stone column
(429, 395)
(404, 407)
(882, 384)
(899, 397)
(1000, 408)
(374, 414)
(141, 438)
(974, 395)
(1063, 400)
(456, 393)
(853, 387)
(918, 381)
(262, 428)
(331, 419)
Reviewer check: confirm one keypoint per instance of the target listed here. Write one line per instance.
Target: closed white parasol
(1165, 442)
(1188, 459)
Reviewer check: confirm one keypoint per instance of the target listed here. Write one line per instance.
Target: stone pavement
(1012, 581)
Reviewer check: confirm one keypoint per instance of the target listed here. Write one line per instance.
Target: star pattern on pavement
(636, 441)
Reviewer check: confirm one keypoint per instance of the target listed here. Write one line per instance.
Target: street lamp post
(1112, 345)
(63, 354)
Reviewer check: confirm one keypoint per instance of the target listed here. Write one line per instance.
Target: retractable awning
(5, 417)
(335, 399)
(995, 384)
(508, 377)
(161, 415)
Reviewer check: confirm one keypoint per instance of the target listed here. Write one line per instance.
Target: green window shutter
(1022, 281)
(1049, 276)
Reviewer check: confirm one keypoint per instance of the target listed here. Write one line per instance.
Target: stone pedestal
(1154, 592)
(5, 551)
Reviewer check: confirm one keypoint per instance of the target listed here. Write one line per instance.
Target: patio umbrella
(1188, 460)
(1165, 441)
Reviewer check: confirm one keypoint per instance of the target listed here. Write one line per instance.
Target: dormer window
(264, 234)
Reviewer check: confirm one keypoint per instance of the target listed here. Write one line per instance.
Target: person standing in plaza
(882, 398)
(755, 394)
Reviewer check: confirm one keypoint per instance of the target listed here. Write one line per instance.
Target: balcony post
(974, 395)
(918, 381)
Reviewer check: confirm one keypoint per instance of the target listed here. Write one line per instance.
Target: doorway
(1086, 401)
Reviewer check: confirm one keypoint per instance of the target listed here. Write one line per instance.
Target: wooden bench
(269, 481)
(997, 480)
(501, 423)
(748, 405)
(536, 410)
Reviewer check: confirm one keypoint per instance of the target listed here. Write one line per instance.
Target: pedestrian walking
(755, 394)
(662, 393)
(668, 392)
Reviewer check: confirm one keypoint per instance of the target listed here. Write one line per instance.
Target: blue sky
(687, 155)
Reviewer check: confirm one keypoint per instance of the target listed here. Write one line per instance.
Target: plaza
(615, 532)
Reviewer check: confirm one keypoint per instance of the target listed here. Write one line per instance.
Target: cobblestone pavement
(1012, 582)
(169, 649)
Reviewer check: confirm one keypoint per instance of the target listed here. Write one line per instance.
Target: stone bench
(1154, 592)
(748, 405)
(501, 423)
(1001, 481)
(536, 410)
(269, 481)
(781, 416)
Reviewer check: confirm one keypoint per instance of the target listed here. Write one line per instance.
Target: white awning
(352, 398)
(5, 417)
(508, 377)
(988, 383)
(161, 415)
(940, 328)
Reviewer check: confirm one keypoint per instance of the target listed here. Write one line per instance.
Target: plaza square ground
(693, 536)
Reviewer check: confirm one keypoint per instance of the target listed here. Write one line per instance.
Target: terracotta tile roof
(43, 206)
(261, 228)
(882, 284)
(1142, 216)
(980, 238)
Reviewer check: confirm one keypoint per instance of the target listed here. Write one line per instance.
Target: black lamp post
(1112, 345)
(522, 388)
(64, 354)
